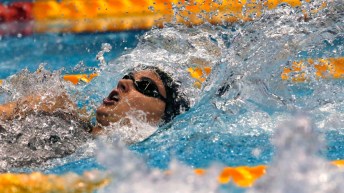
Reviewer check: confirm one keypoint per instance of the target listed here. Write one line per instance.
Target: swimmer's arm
(30, 104)
(18, 108)
(7, 111)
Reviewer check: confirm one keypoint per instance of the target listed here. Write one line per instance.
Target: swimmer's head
(176, 101)
(147, 91)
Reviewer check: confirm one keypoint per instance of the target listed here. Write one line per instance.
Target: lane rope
(330, 68)
(104, 15)
(241, 176)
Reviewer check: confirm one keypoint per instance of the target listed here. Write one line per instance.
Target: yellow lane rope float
(114, 15)
(242, 176)
(41, 183)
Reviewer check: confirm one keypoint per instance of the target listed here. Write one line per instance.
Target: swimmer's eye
(145, 86)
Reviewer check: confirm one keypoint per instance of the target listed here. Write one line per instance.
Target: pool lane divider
(330, 68)
(300, 71)
(37, 182)
(58, 16)
(241, 176)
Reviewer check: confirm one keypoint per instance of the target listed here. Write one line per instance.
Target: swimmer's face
(134, 98)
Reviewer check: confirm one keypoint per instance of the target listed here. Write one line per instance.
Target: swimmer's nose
(124, 85)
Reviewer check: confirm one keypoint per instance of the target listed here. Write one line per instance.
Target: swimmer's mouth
(112, 98)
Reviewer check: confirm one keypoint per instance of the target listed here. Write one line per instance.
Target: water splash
(106, 47)
(297, 166)
(132, 175)
(31, 141)
(31, 136)
(132, 129)
(26, 83)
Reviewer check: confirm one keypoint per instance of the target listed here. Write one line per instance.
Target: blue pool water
(244, 114)
(58, 51)
(67, 50)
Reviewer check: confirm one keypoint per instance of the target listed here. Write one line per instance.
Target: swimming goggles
(145, 86)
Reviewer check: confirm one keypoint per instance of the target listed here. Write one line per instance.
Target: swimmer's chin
(102, 117)
(102, 121)
(106, 121)
(105, 118)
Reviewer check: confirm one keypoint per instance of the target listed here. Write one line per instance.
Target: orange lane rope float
(324, 68)
(300, 71)
(43, 16)
(241, 176)
(76, 78)
(331, 68)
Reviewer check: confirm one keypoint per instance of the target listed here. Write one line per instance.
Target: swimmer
(147, 90)
(35, 129)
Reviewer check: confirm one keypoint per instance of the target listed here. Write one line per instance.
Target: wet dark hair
(176, 102)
